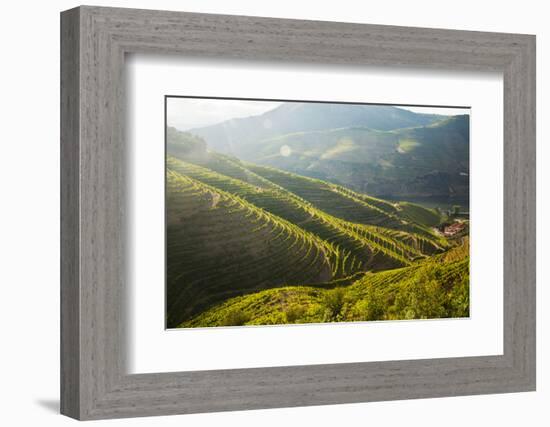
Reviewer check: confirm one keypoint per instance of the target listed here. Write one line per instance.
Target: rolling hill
(239, 232)
(413, 292)
(239, 136)
(212, 234)
(373, 149)
(427, 161)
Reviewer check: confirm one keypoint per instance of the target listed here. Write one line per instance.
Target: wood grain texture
(94, 272)
(70, 315)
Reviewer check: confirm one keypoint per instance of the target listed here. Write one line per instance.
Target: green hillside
(419, 214)
(434, 288)
(343, 202)
(216, 240)
(252, 244)
(282, 202)
(425, 161)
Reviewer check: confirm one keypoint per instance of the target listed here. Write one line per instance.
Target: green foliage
(355, 247)
(294, 312)
(220, 246)
(458, 299)
(333, 302)
(183, 143)
(235, 318)
(420, 215)
(372, 306)
(252, 245)
(422, 297)
(437, 287)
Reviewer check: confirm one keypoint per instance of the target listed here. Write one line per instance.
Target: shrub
(422, 298)
(459, 298)
(374, 306)
(294, 313)
(333, 302)
(235, 318)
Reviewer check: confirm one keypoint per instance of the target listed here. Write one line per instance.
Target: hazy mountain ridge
(233, 136)
(380, 150)
(426, 161)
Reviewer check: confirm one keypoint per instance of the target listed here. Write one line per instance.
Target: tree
(183, 142)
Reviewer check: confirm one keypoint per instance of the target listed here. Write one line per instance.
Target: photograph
(298, 212)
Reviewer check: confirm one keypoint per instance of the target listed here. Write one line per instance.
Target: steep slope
(434, 288)
(255, 244)
(362, 247)
(341, 202)
(220, 246)
(418, 214)
(234, 168)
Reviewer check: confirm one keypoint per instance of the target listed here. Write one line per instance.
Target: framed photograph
(262, 213)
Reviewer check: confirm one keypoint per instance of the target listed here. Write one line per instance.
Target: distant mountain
(236, 136)
(384, 151)
(419, 162)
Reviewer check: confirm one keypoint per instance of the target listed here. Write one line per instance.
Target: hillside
(236, 136)
(215, 240)
(361, 247)
(308, 202)
(375, 149)
(241, 233)
(414, 292)
(426, 161)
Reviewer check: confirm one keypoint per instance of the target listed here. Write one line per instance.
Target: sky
(186, 113)
(438, 110)
(189, 113)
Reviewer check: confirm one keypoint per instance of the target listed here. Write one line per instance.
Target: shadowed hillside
(216, 240)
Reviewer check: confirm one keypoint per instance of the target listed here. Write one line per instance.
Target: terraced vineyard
(435, 288)
(249, 244)
(212, 234)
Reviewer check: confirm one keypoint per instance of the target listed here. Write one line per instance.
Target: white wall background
(29, 215)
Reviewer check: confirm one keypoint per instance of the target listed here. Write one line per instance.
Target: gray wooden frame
(94, 41)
